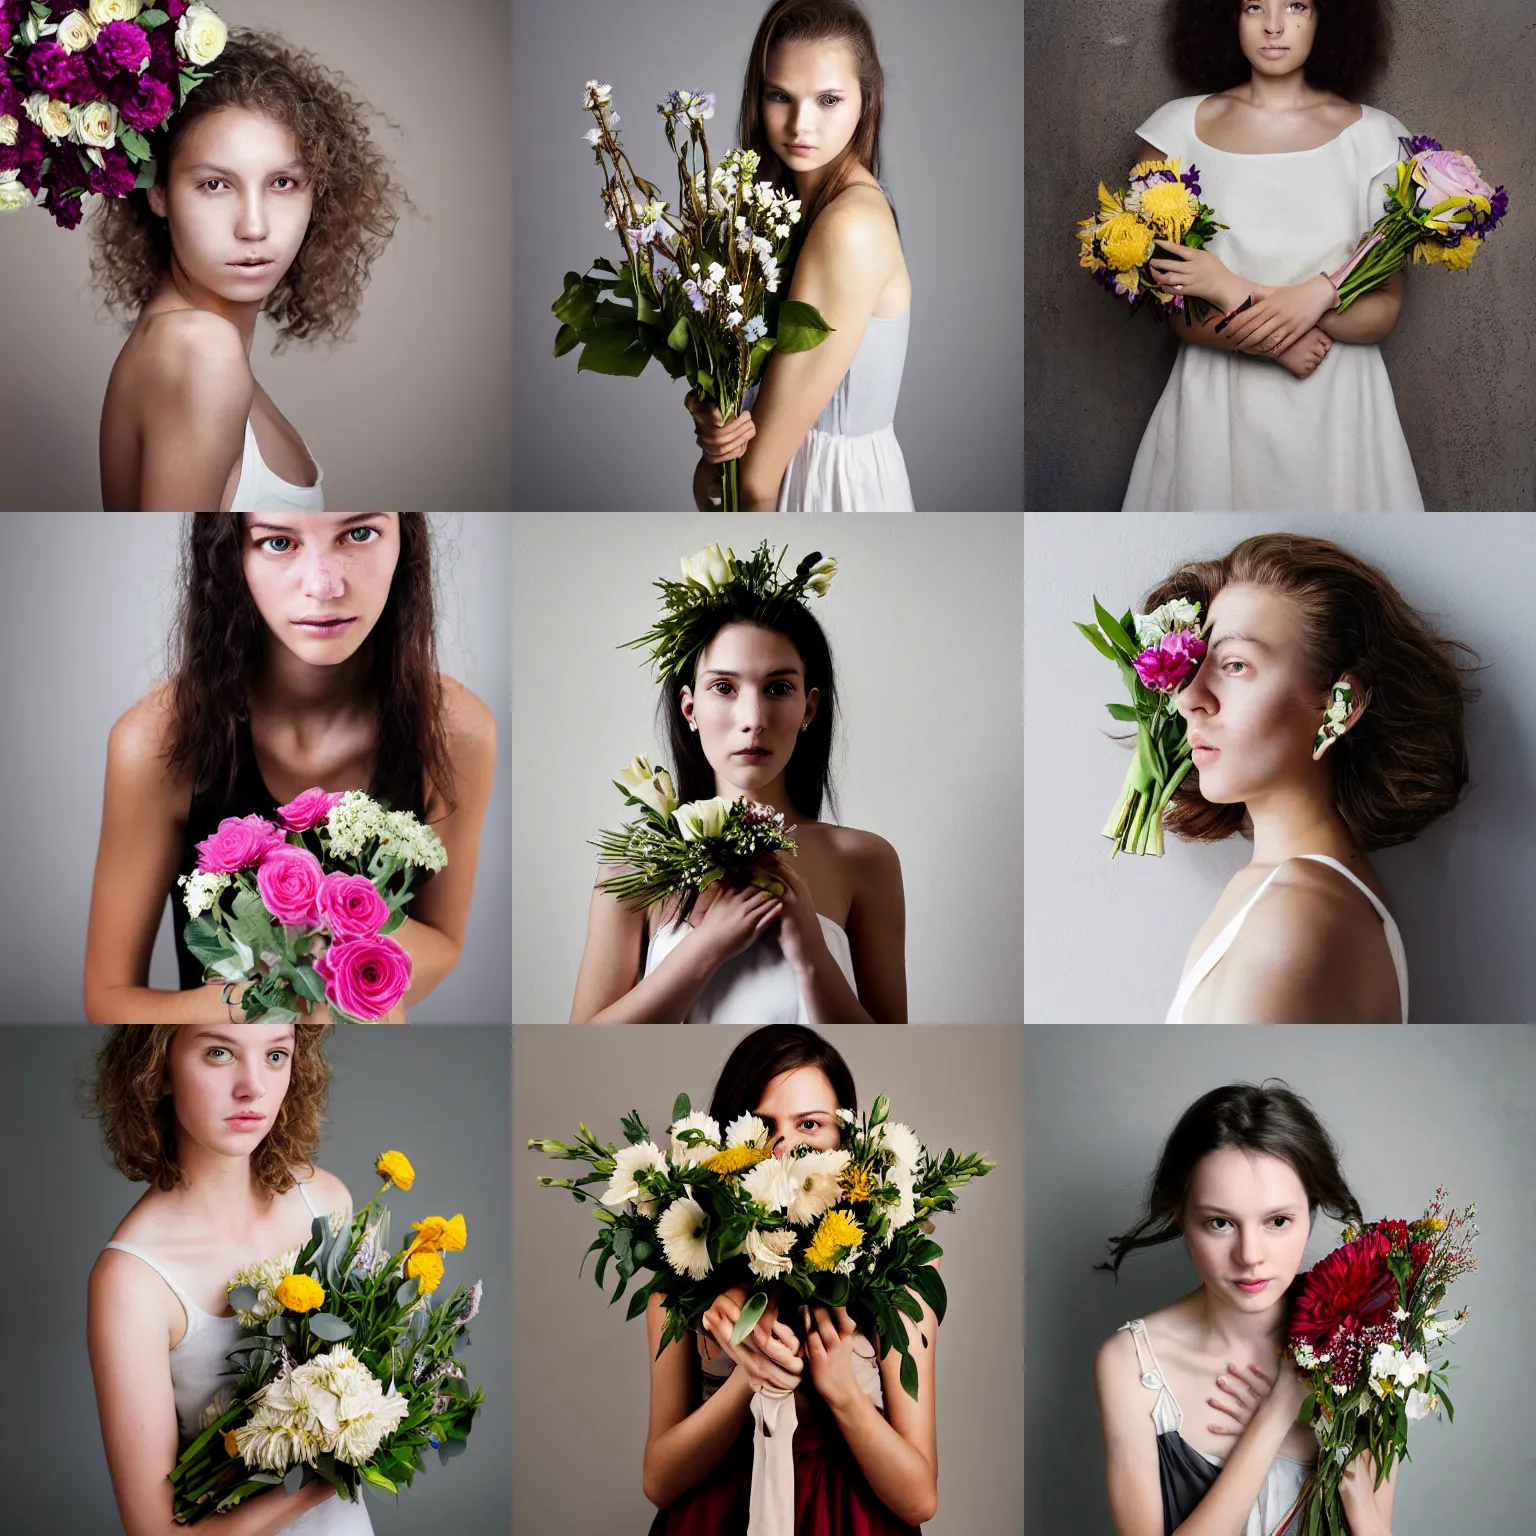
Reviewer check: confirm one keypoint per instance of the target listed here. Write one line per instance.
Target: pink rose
(1447, 175)
(351, 906)
(364, 977)
(309, 810)
(289, 881)
(1173, 660)
(240, 842)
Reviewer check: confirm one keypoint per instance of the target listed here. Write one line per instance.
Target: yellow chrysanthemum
(1127, 283)
(1455, 258)
(1109, 203)
(837, 1231)
(438, 1234)
(1086, 230)
(1148, 167)
(1125, 241)
(229, 1443)
(299, 1293)
(427, 1267)
(1169, 208)
(396, 1167)
(1425, 1225)
(857, 1185)
(735, 1160)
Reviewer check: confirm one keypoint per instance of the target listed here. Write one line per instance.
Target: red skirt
(832, 1495)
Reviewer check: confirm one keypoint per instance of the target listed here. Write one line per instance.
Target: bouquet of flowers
(304, 910)
(1439, 209)
(348, 1371)
(697, 289)
(837, 1229)
(82, 84)
(1165, 654)
(1117, 243)
(1363, 1327)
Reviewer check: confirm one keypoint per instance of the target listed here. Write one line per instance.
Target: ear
(685, 701)
(156, 195)
(1360, 700)
(812, 704)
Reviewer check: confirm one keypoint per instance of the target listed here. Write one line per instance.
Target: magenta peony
(289, 880)
(143, 101)
(308, 810)
(364, 977)
(1175, 658)
(350, 906)
(121, 48)
(240, 842)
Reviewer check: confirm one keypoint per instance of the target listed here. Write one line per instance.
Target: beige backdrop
(414, 410)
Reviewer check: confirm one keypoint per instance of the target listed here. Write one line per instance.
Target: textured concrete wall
(1462, 358)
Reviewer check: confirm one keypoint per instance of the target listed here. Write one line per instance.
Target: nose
(320, 574)
(749, 711)
(248, 1083)
(1194, 695)
(252, 223)
(802, 116)
(1250, 1247)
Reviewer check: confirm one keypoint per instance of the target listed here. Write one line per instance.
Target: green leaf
(614, 350)
(762, 349)
(908, 1372)
(751, 1311)
(307, 984)
(407, 1293)
(680, 1107)
(135, 144)
(800, 327)
(576, 304)
(565, 339)
(327, 1326)
(929, 1284)
(1123, 712)
(1116, 636)
(394, 921)
(149, 20)
(378, 1479)
(677, 337)
(1096, 640)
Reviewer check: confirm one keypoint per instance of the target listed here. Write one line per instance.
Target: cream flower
(651, 786)
(768, 1253)
(902, 1143)
(10, 128)
(682, 1153)
(814, 1186)
(53, 117)
(1421, 1404)
(623, 1186)
(713, 567)
(821, 577)
(702, 818)
(1177, 613)
(683, 1228)
(746, 1131)
(201, 35)
(13, 195)
(76, 33)
(203, 891)
(103, 11)
(902, 1213)
(95, 124)
(769, 1184)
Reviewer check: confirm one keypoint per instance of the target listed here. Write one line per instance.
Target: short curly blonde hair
(138, 1122)
(357, 199)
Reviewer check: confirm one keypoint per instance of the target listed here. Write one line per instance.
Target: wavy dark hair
(808, 775)
(130, 1095)
(1404, 763)
(1353, 38)
(357, 199)
(220, 638)
(1270, 1119)
(815, 21)
(764, 1055)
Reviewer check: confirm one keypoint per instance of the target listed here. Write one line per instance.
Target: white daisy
(813, 1184)
(682, 1229)
(627, 1163)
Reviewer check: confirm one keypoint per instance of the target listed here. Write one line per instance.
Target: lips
(1250, 1285)
(244, 1122)
(752, 752)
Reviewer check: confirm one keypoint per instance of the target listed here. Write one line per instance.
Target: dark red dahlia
(1348, 1291)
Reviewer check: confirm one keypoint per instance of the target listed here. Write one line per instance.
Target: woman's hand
(769, 1356)
(734, 917)
(1243, 1390)
(1287, 1395)
(829, 1347)
(1197, 274)
(720, 440)
(1360, 1498)
(1281, 317)
(800, 935)
(707, 493)
(1303, 358)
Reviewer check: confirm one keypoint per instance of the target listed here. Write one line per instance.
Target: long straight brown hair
(815, 21)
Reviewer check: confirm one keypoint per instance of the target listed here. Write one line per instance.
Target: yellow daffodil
(299, 1293)
(426, 1267)
(836, 1232)
(396, 1167)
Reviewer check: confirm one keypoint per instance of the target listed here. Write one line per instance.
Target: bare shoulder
(855, 235)
(1114, 1363)
(138, 744)
(465, 714)
(867, 853)
(328, 1193)
(197, 358)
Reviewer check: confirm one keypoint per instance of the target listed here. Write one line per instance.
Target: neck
(222, 1193)
(774, 795)
(193, 293)
(1296, 818)
(1280, 93)
(1236, 1331)
(308, 695)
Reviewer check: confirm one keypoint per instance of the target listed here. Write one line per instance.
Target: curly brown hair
(1404, 763)
(131, 1098)
(1350, 50)
(219, 639)
(357, 199)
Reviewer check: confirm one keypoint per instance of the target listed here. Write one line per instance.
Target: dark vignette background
(1461, 358)
(440, 1096)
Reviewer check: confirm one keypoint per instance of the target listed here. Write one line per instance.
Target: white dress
(1239, 433)
(758, 986)
(200, 1367)
(1223, 941)
(259, 490)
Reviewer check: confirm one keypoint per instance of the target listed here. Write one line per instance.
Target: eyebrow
(780, 672)
(1216, 1210)
(346, 522)
(773, 85)
(1251, 640)
(290, 169)
(799, 1114)
(211, 1034)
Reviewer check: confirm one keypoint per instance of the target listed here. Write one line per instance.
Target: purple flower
(471, 1303)
(163, 63)
(46, 67)
(121, 47)
(1191, 179)
(697, 299)
(174, 8)
(77, 83)
(1171, 662)
(114, 179)
(1419, 143)
(10, 97)
(143, 101)
(10, 158)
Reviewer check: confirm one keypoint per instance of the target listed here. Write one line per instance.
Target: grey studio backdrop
(579, 1371)
(1410, 1109)
(1106, 942)
(412, 411)
(924, 620)
(1465, 380)
(440, 1096)
(952, 128)
(101, 588)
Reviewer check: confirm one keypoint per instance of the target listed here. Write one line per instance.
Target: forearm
(903, 1479)
(263, 1514)
(151, 1005)
(828, 997)
(1224, 1510)
(691, 1449)
(666, 995)
(433, 956)
(1372, 317)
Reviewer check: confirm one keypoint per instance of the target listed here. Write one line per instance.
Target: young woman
(1290, 406)
(222, 1124)
(305, 656)
(1327, 721)
(819, 437)
(271, 197)
(865, 1455)
(1199, 1418)
(752, 714)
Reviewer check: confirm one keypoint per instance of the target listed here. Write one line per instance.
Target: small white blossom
(203, 891)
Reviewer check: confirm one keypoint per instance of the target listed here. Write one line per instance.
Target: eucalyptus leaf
(243, 1298)
(327, 1326)
(294, 1479)
(751, 1311)
(407, 1293)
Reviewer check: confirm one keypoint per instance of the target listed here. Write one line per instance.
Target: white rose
(103, 11)
(9, 128)
(94, 123)
(768, 1253)
(200, 34)
(651, 786)
(712, 568)
(702, 818)
(76, 33)
(53, 117)
(12, 194)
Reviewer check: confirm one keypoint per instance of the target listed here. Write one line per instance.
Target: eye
(276, 538)
(720, 685)
(830, 101)
(1217, 1223)
(216, 1052)
(277, 1057)
(1234, 663)
(213, 181)
(369, 535)
(1283, 1221)
(810, 1125)
(292, 185)
(780, 690)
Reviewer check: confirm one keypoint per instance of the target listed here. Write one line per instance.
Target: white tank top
(1223, 941)
(259, 490)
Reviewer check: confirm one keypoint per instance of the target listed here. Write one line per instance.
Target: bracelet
(1335, 288)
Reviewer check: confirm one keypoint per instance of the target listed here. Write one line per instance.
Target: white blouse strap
(1167, 1416)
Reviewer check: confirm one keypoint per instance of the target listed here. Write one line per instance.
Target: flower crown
(80, 87)
(715, 580)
